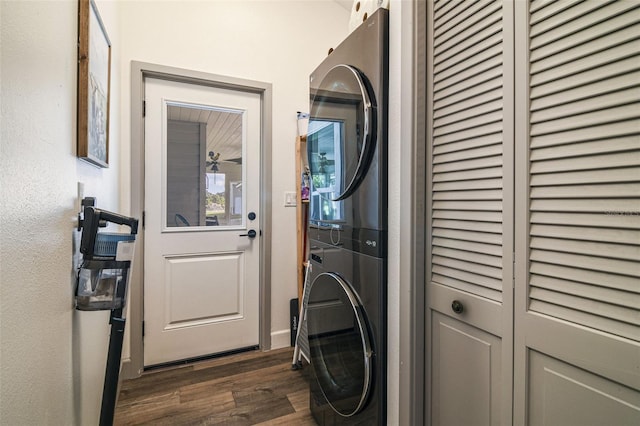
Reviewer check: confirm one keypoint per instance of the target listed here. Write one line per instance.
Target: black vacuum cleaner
(102, 285)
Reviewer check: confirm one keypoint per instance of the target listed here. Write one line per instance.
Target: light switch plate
(289, 199)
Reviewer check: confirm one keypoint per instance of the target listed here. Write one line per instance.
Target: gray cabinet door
(470, 212)
(577, 339)
(467, 380)
(533, 195)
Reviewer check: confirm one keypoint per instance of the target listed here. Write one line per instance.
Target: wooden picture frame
(94, 86)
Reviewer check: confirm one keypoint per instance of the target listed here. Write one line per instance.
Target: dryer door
(339, 344)
(341, 133)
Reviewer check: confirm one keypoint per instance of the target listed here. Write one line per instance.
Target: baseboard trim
(280, 339)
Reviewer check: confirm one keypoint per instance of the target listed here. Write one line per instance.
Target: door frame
(133, 365)
(414, 406)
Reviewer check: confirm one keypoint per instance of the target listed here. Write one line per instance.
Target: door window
(204, 166)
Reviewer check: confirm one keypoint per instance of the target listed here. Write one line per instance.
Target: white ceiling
(224, 129)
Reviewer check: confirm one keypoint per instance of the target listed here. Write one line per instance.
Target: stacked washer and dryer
(346, 316)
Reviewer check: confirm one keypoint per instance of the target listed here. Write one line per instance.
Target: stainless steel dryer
(346, 315)
(347, 137)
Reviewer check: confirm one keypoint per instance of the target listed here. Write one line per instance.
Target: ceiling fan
(214, 160)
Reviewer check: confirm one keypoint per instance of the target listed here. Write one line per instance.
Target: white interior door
(202, 181)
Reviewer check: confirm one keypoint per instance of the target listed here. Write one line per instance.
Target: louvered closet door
(577, 353)
(470, 211)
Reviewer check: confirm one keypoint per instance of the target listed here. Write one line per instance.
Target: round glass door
(339, 344)
(341, 135)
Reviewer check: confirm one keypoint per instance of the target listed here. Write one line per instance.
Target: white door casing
(201, 283)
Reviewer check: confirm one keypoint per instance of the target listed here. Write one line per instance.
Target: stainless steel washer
(347, 150)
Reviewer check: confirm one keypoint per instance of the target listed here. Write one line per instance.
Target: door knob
(251, 234)
(457, 307)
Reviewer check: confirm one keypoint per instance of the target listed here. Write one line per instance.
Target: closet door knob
(457, 307)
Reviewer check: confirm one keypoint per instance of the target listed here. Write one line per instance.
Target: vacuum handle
(120, 220)
(92, 220)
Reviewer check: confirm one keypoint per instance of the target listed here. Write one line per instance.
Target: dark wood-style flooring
(251, 388)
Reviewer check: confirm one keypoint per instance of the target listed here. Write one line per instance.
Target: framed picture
(94, 84)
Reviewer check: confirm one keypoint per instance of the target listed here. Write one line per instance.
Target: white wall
(52, 358)
(277, 42)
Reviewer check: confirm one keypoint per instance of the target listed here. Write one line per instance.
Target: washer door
(341, 132)
(339, 344)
